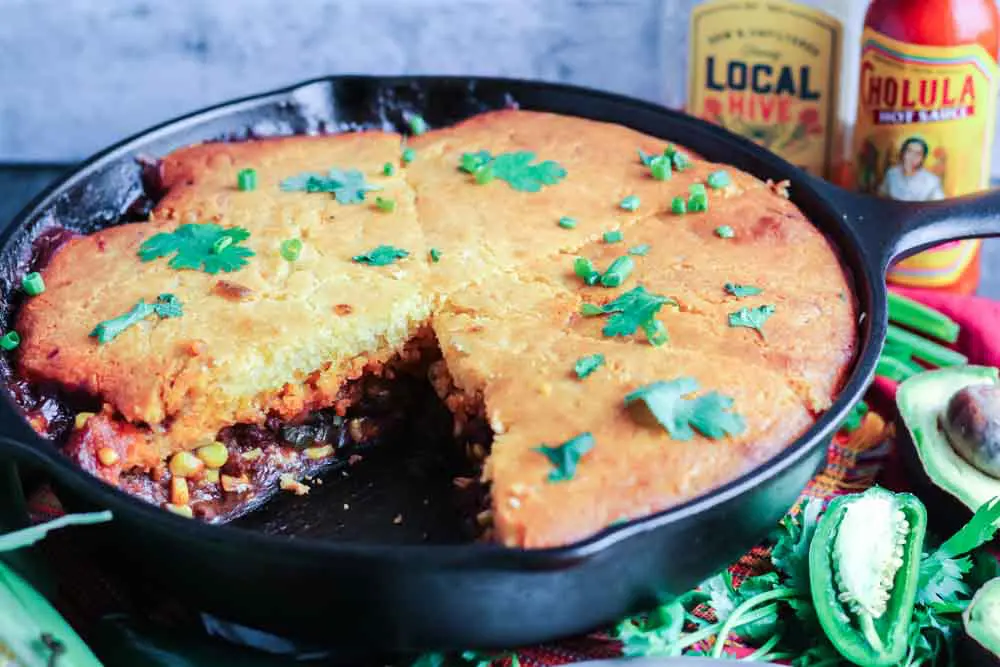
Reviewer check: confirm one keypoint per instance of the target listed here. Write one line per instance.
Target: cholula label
(924, 132)
(768, 70)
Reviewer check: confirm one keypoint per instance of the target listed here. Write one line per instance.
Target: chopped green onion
(630, 203)
(698, 202)
(718, 179)
(656, 332)
(567, 222)
(417, 124)
(33, 284)
(678, 206)
(291, 249)
(388, 169)
(641, 250)
(10, 341)
(660, 168)
(645, 158)
(893, 368)
(386, 204)
(855, 417)
(584, 366)
(725, 232)
(922, 319)
(619, 270)
(409, 155)
(923, 349)
(584, 268)
(697, 188)
(614, 236)
(484, 174)
(221, 244)
(435, 255)
(246, 180)
(681, 160)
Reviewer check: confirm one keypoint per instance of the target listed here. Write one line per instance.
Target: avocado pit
(971, 423)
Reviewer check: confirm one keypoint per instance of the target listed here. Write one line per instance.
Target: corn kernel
(317, 453)
(185, 464)
(81, 419)
(214, 455)
(182, 510)
(289, 483)
(179, 493)
(107, 456)
(211, 476)
(232, 484)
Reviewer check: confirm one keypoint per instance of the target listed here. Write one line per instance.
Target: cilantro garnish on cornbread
(752, 318)
(381, 256)
(348, 187)
(613, 236)
(631, 311)
(735, 289)
(291, 249)
(200, 246)
(515, 168)
(165, 306)
(670, 403)
(630, 203)
(565, 457)
(584, 366)
(725, 232)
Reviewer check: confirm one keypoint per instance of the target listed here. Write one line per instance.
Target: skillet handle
(891, 230)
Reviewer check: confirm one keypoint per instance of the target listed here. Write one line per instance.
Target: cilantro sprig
(516, 168)
(737, 290)
(752, 318)
(165, 306)
(632, 310)
(348, 187)
(565, 457)
(204, 247)
(673, 405)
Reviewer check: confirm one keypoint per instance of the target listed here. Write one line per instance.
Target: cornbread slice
(281, 339)
(287, 346)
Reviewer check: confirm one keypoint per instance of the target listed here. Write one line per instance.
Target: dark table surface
(19, 183)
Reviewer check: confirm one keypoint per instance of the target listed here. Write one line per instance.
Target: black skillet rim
(494, 555)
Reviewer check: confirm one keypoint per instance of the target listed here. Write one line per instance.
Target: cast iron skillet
(366, 591)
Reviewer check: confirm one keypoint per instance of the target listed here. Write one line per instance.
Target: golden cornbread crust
(502, 301)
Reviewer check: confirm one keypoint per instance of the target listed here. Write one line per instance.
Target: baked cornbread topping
(619, 324)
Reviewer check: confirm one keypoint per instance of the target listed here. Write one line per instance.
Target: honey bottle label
(768, 70)
(924, 132)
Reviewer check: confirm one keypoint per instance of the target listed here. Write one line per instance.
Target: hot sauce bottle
(926, 113)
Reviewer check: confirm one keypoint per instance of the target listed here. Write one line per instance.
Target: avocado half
(982, 626)
(921, 400)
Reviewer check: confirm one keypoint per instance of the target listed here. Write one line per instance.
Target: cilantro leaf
(752, 318)
(565, 457)
(631, 311)
(348, 187)
(942, 572)
(381, 255)
(708, 414)
(165, 306)
(515, 168)
(735, 289)
(199, 246)
(657, 635)
(790, 554)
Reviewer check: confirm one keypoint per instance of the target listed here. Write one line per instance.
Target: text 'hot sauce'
(926, 113)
